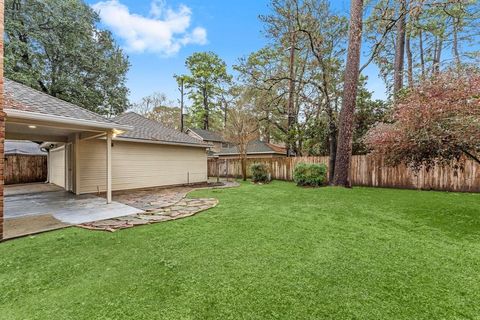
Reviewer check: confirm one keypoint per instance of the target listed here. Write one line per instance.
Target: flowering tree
(437, 122)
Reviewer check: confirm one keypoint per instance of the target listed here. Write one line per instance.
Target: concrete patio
(33, 208)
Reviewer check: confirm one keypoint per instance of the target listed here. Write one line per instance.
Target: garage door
(56, 166)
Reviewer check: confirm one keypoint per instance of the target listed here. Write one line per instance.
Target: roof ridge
(150, 129)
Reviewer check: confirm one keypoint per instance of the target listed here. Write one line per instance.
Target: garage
(90, 156)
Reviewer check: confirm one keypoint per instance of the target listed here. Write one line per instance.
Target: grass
(265, 252)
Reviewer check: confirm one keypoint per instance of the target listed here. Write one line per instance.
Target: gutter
(172, 143)
(36, 116)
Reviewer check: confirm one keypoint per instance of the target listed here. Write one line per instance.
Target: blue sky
(158, 35)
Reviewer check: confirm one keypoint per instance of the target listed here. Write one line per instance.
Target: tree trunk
(399, 51)
(409, 60)
(244, 168)
(437, 54)
(332, 141)
(181, 105)
(291, 95)
(344, 148)
(422, 55)
(205, 111)
(267, 127)
(225, 116)
(456, 54)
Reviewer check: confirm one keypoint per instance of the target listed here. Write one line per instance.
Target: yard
(273, 251)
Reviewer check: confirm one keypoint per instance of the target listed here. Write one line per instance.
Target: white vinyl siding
(56, 165)
(139, 165)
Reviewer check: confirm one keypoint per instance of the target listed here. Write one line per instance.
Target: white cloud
(164, 31)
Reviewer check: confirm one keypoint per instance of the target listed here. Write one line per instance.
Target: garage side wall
(139, 165)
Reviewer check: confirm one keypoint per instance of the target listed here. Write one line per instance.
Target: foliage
(260, 173)
(437, 34)
(310, 174)
(368, 112)
(263, 252)
(241, 129)
(157, 107)
(436, 122)
(56, 46)
(205, 84)
(318, 35)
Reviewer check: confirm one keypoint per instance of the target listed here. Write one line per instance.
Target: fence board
(365, 171)
(25, 169)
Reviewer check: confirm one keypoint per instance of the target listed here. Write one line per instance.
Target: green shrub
(306, 174)
(260, 173)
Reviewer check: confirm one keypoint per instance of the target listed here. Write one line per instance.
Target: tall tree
(157, 107)
(241, 129)
(207, 78)
(430, 29)
(344, 148)
(56, 46)
(326, 37)
(399, 48)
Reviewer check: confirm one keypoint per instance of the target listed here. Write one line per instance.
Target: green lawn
(265, 252)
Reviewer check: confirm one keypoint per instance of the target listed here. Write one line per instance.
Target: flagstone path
(158, 204)
(181, 209)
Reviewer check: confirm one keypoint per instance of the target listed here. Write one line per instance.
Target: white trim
(197, 136)
(109, 167)
(264, 152)
(27, 115)
(203, 139)
(161, 142)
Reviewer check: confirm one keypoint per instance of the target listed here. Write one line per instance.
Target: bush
(312, 175)
(260, 173)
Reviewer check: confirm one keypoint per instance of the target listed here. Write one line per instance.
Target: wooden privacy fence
(25, 169)
(366, 171)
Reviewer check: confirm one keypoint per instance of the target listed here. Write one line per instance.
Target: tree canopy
(436, 122)
(205, 84)
(56, 46)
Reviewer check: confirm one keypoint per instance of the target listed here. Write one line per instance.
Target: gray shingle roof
(207, 135)
(146, 129)
(23, 148)
(254, 147)
(23, 98)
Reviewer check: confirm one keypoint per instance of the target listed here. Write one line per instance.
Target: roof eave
(172, 143)
(35, 116)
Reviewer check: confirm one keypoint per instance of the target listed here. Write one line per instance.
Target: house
(220, 148)
(255, 149)
(24, 148)
(214, 139)
(90, 153)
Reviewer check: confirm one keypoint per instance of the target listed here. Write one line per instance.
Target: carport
(35, 116)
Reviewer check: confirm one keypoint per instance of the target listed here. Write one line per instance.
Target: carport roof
(23, 101)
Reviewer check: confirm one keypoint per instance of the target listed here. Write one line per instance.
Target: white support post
(109, 167)
(76, 161)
